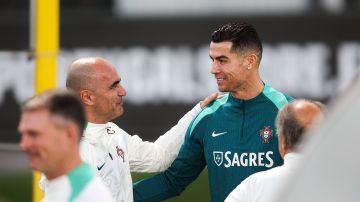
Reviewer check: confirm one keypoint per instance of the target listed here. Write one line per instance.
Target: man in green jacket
(235, 136)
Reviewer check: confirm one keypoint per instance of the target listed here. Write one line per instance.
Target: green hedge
(17, 187)
(197, 191)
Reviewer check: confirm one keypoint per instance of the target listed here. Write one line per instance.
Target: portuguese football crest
(266, 133)
(218, 157)
(120, 153)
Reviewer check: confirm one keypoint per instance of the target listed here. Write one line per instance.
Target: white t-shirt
(113, 153)
(263, 186)
(79, 185)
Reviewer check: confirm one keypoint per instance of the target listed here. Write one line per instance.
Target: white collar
(292, 157)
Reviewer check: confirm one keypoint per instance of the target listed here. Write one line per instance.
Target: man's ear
(252, 60)
(72, 132)
(282, 146)
(87, 97)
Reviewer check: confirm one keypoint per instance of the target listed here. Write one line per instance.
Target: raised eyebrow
(219, 57)
(115, 83)
(30, 132)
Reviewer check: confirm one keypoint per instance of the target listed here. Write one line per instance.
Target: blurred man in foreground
(292, 123)
(51, 126)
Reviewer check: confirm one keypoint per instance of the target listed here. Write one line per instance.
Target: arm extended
(184, 170)
(156, 157)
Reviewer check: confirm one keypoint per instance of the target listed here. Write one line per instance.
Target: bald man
(292, 122)
(112, 152)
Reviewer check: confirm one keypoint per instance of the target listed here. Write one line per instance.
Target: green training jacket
(233, 138)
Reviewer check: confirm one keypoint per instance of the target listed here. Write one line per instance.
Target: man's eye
(115, 86)
(33, 135)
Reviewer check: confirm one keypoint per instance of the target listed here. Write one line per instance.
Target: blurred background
(160, 48)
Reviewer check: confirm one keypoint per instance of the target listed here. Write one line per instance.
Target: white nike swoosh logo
(217, 134)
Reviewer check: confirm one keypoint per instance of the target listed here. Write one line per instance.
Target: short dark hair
(289, 126)
(59, 102)
(242, 35)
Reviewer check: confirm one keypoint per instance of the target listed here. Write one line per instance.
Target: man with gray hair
(292, 122)
(51, 126)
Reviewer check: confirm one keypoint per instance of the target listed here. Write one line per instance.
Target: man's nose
(24, 143)
(214, 68)
(122, 91)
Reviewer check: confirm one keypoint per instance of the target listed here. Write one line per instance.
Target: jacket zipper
(243, 120)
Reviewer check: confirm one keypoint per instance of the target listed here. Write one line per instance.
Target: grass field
(17, 187)
(197, 191)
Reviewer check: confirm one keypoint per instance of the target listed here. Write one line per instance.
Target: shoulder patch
(79, 178)
(279, 99)
(209, 110)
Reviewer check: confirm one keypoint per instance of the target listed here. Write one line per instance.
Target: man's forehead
(34, 119)
(221, 45)
(223, 49)
(108, 77)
